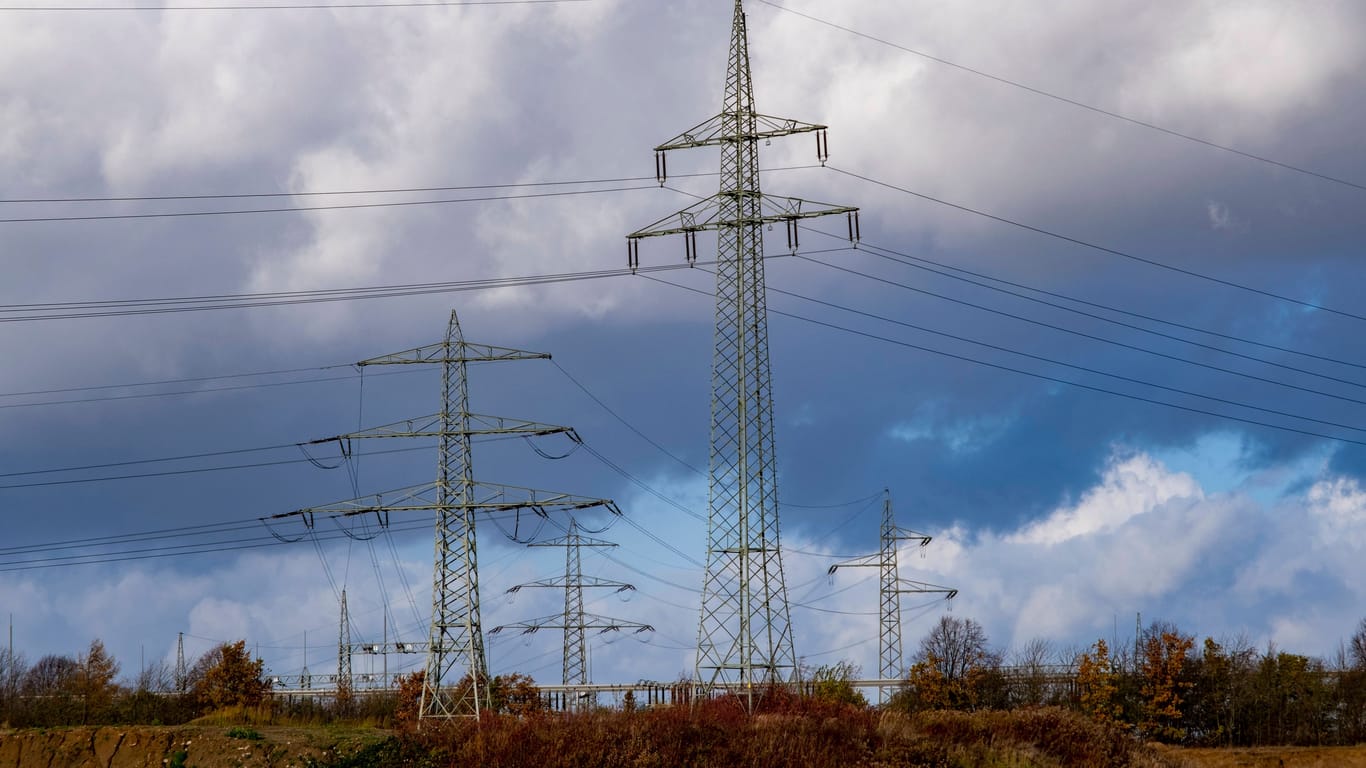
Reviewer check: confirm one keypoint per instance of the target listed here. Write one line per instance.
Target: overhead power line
(187, 392)
(1120, 344)
(16, 313)
(1033, 374)
(371, 191)
(1074, 102)
(1101, 248)
(284, 7)
(919, 262)
(307, 208)
(191, 471)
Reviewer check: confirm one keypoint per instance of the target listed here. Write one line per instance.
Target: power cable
(1074, 102)
(137, 307)
(1121, 344)
(905, 259)
(310, 208)
(190, 380)
(624, 422)
(193, 471)
(289, 7)
(376, 191)
(1101, 248)
(206, 390)
(1082, 368)
(1043, 377)
(149, 553)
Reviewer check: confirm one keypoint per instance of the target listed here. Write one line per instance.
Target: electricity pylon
(891, 588)
(457, 637)
(181, 679)
(344, 653)
(574, 621)
(745, 630)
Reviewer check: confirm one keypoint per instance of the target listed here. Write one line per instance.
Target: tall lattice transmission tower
(457, 677)
(575, 622)
(890, 589)
(745, 631)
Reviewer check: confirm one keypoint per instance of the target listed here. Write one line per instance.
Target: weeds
(787, 731)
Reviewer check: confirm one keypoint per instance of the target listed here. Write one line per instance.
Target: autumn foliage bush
(786, 730)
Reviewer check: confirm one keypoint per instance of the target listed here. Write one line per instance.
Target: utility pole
(890, 589)
(305, 677)
(574, 621)
(745, 628)
(456, 647)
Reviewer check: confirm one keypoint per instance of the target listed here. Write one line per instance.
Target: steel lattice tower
(344, 680)
(745, 631)
(575, 622)
(890, 589)
(456, 643)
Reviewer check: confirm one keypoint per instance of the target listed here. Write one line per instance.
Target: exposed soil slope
(158, 747)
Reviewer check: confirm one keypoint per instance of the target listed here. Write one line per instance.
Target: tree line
(1166, 686)
(86, 689)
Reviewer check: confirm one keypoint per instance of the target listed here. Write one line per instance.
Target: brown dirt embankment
(158, 747)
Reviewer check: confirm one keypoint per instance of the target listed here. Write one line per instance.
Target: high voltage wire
(918, 262)
(1121, 344)
(188, 380)
(308, 208)
(209, 547)
(192, 471)
(374, 191)
(1032, 374)
(184, 392)
(13, 313)
(1101, 248)
(285, 7)
(1074, 102)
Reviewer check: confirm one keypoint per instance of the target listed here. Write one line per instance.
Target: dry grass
(1270, 757)
(794, 732)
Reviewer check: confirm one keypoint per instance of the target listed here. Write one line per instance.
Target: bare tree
(1356, 648)
(1031, 671)
(51, 675)
(955, 647)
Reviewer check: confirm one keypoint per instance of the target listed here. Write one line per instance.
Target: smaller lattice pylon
(891, 588)
(344, 653)
(574, 621)
(181, 678)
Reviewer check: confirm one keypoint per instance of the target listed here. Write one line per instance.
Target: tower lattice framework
(745, 629)
(457, 677)
(890, 589)
(575, 622)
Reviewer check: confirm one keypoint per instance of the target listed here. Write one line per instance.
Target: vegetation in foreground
(789, 731)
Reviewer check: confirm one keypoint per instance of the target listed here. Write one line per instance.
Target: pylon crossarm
(573, 541)
(426, 497)
(600, 624)
(392, 646)
(561, 581)
(867, 561)
(462, 351)
(432, 426)
(907, 586)
(906, 534)
(707, 215)
(717, 130)
(495, 496)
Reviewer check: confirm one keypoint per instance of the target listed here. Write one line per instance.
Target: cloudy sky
(1101, 339)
